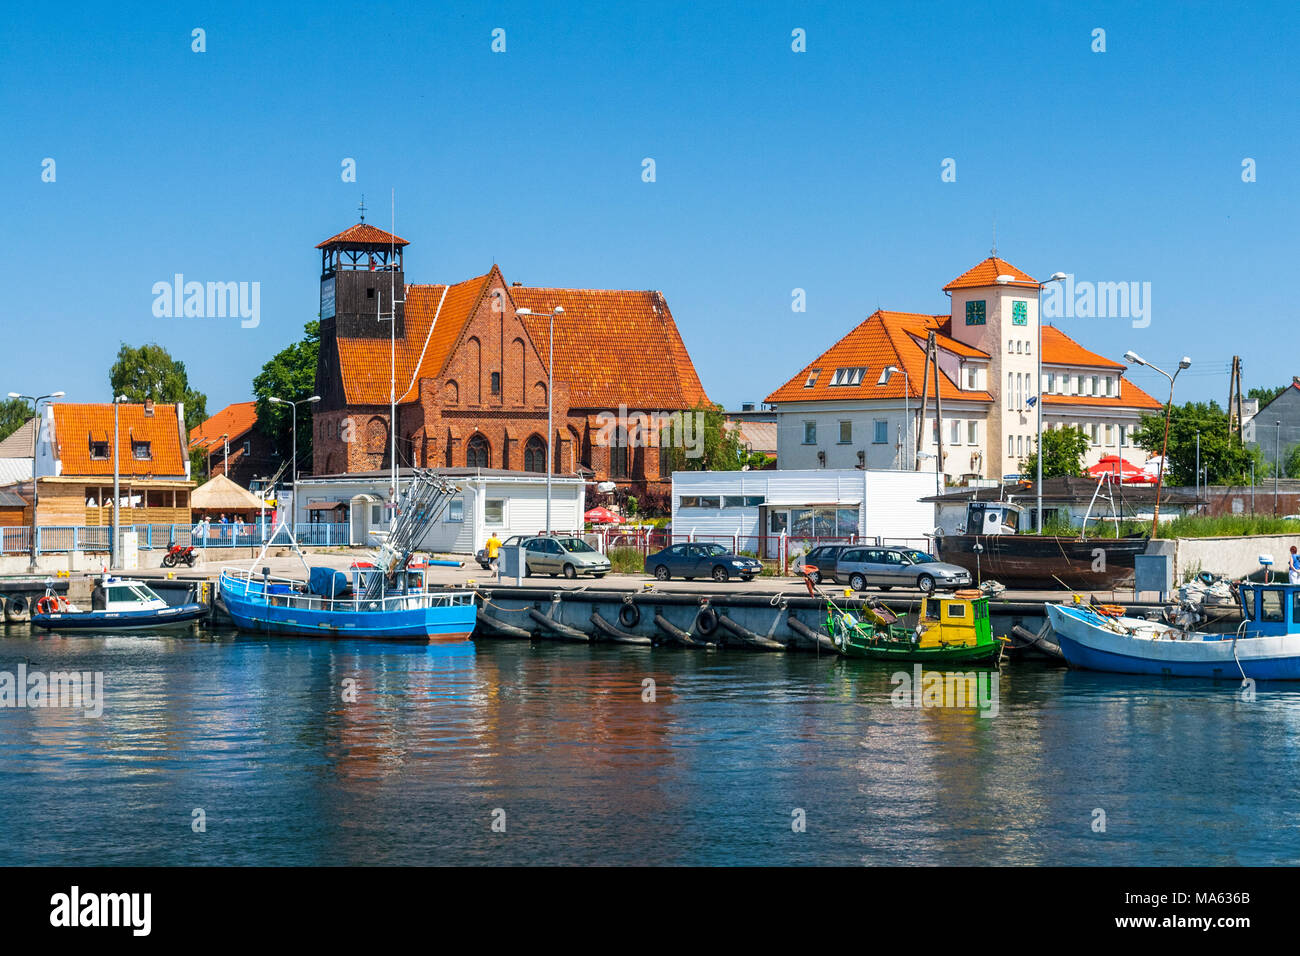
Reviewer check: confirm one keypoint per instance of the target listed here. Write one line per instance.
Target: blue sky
(775, 170)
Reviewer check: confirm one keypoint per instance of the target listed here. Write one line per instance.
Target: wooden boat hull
(1092, 643)
(1025, 560)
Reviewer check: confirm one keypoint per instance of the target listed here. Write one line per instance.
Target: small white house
(763, 507)
(490, 500)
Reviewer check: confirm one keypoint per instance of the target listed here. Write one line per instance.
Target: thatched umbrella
(221, 496)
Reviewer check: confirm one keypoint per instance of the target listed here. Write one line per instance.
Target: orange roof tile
(75, 426)
(613, 347)
(1060, 349)
(232, 421)
(986, 274)
(424, 349)
(880, 340)
(1130, 396)
(363, 234)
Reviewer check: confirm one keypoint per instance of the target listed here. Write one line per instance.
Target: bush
(626, 560)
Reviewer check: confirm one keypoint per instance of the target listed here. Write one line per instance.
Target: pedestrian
(493, 549)
(1293, 567)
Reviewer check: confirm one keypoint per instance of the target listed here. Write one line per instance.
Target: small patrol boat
(951, 628)
(116, 604)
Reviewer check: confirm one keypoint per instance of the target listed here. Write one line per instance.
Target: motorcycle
(177, 554)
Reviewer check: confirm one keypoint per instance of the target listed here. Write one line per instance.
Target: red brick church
(471, 372)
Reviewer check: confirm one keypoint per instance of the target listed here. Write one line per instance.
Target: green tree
(291, 375)
(13, 412)
(1063, 452)
(714, 446)
(1265, 395)
(149, 371)
(1225, 460)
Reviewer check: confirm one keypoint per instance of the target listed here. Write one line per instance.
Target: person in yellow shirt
(493, 549)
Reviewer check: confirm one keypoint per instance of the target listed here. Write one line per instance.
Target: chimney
(148, 407)
(516, 285)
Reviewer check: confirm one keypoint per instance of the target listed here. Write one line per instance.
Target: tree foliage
(13, 412)
(1265, 395)
(713, 446)
(1225, 460)
(290, 374)
(149, 372)
(1063, 453)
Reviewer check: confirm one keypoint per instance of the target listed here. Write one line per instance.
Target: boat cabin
(951, 620)
(992, 517)
(1270, 608)
(116, 594)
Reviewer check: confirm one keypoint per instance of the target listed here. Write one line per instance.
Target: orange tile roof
(880, 340)
(986, 274)
(363, 234)
(1130, 396)
(1060, 349)
(613, 347)
(75, 426)
(232, 421)
(421, 353)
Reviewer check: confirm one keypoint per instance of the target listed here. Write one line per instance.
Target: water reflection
(336, 752)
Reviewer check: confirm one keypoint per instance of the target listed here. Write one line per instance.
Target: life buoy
(707, 621)
(968, 594)
(1109, 610)
(629, 615)
(47, 605)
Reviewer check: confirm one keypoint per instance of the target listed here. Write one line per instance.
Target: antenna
(362, 207)
(994, 250)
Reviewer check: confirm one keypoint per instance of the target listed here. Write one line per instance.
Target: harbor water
(220, 749)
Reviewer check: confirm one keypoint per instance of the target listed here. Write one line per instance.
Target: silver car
(563, 555)
(886, 568)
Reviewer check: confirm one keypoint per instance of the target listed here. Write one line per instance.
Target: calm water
(255, 732)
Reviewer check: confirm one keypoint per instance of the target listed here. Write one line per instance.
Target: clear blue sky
(775, 170)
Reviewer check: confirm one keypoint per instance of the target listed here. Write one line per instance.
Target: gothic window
(535, 454)
(478, 453)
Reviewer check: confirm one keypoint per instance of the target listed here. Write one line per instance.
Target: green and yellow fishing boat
(951, 629)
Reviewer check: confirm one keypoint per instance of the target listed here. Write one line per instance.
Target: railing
(289, 593)
(94, 538)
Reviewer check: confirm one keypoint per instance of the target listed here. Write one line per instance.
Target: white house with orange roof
(840, 411)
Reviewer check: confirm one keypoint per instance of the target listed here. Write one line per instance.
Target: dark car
(695, 560)
(824, 559)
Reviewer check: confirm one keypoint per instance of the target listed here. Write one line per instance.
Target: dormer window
(141, 450)
(849, 376)
(98, 450)
(975, 312)
(812, 378)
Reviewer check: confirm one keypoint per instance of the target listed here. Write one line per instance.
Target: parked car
(553, 555)
(823, 558)
(887, 568)
(481, 555)
(695, 560)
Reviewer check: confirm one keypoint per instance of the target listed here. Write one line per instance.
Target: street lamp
(550, 391)
(1038, 405)
(1134, 359)
(293, 407)
(885, 375)
(114, 557)
(36, 430)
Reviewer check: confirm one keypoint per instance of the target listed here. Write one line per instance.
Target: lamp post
(550, 392)
(293, 407)
(1134, 359)
(114, 556)
(36, 431)
(1038, 404)
(885, 375)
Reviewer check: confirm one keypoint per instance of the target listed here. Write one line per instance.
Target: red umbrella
(1123, 471)
(602, 516)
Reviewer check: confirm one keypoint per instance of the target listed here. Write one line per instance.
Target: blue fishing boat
(116, 604)
(1265, 646)
(388, 597)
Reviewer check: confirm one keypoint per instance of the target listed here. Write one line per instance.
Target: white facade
(504, 503)
(808, 503)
